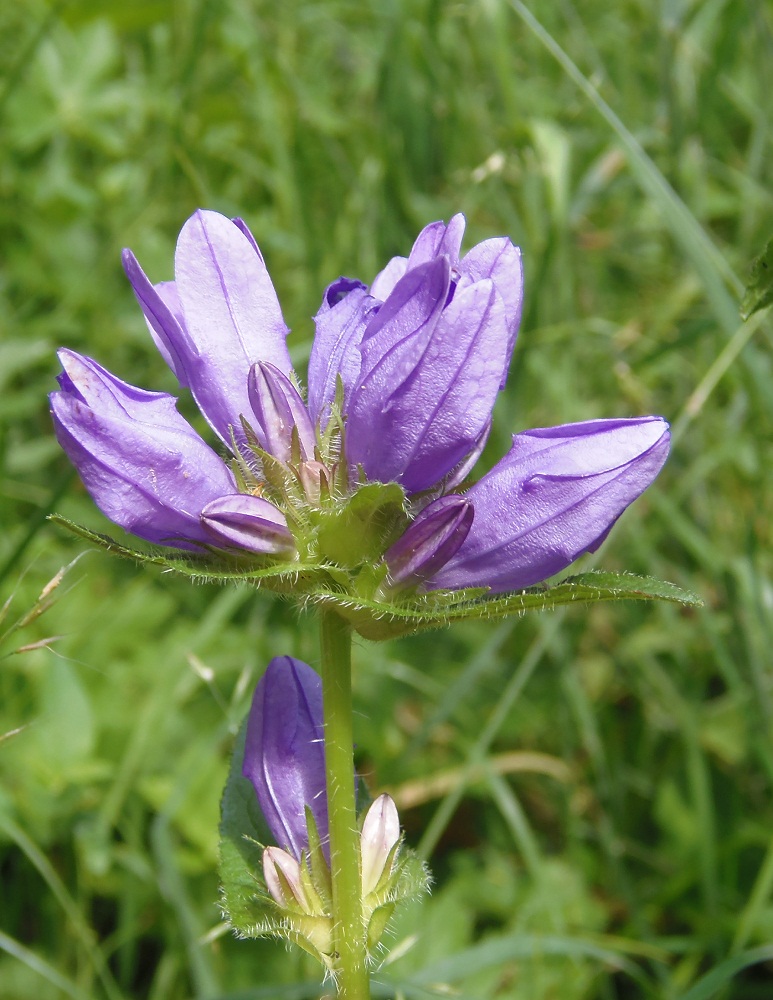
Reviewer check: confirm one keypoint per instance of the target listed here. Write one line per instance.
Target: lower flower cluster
(284, 760)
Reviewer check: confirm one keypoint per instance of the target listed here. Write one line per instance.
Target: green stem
(349, 933)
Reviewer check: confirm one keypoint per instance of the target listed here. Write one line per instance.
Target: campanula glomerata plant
(356, 496)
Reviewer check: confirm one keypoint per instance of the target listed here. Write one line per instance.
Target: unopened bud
(380, 833)
(278, 406)
(244, 521)
(314, 479)
(283, 878)
(284, 754)
(430, 541)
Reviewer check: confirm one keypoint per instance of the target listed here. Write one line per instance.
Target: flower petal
(232, 317)
(438, 238)
(163, 314)
(458, 475)
(144, 465)
(346, 310)
(244, 228)
(554, 496)
(386, 279)
(393, 341)
(242, 521)
(427, 402)
(284, 754)
(499, 260)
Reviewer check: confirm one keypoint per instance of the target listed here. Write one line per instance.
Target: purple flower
(422, 355)
(284, 753)
(144, 465)
(554, 496)
(142, 462)
(402, 380)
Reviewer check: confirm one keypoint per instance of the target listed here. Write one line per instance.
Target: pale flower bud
(380, 833)
(283, 875)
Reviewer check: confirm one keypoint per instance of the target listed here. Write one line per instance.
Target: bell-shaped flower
(554, 496)
(430, 376)
(284, 753)
(219, 317)
(145, 466)
(421, 355)
(143, 463)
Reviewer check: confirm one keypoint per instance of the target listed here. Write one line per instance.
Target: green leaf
(213, 566)
(759, 290)
(500, 950)
(242, 830)
(709, 985)
(696, 244)
(379, 620)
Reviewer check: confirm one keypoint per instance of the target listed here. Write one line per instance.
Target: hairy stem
(349, 933)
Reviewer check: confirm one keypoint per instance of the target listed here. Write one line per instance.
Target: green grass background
(627, 148)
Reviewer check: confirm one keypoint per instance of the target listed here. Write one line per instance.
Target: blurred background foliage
(592, 788)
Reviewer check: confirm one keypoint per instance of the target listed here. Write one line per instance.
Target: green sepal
(308, 884)
(759, 290)
(379, 620)
(285, 930)
(410, 877)
(320, 870)
(359, 529)
(242, 834)
(378, 923)
(295, 938)
(405, 877)
(317, 930)
(388, 872)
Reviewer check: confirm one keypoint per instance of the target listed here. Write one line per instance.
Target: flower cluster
(369, 469)
(284, 758)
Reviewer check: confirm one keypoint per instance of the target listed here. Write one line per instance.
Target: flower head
(357, 488)
(284, 759)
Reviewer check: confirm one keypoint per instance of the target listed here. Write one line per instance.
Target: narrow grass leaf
(714, 271)
(521, 947)
(42, 968)
(713, 982)
(759, 291)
